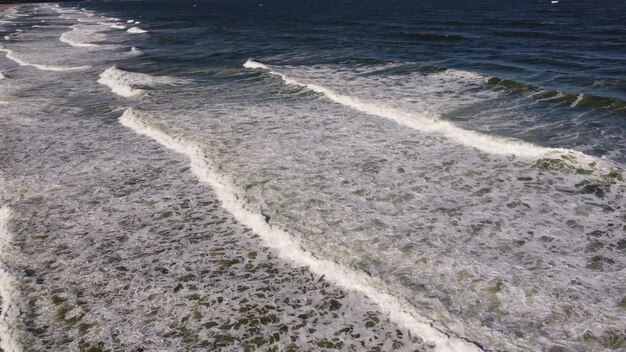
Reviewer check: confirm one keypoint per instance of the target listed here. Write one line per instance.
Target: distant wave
(572, 99)
(127, 84)
(486, 143)
(135, 51)
(11, 56)
(289, 247)
(8, 291)
(536, 35)
(136, 30)
(429, 37)
(118, 26)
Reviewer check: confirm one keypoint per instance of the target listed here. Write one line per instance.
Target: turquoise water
(303, 176)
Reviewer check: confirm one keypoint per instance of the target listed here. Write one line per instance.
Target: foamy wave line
(486, 143)
(123, 83)
(289, 248)
(65, 39)
(136, 30)
(8, 290)
(118, 26)
(2, 76)
(579, 98)
(11, 56)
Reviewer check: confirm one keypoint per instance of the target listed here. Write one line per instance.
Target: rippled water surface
(220, 175)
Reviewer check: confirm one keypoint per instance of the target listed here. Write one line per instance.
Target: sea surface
(273, 175)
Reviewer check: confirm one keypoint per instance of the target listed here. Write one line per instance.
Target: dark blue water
(283, 175)
(543, 56)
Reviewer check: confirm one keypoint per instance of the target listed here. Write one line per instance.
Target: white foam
(135, 51)
(67, 38)
(136, 30)
(130, 21)
(289, 248)
(120, 82)
(118, 26)
(2, 76)
(486, 143)
(124, 83)
(8, 291)
(579, 98)
(11, 56)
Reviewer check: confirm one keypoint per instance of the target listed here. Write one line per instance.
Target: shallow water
(230, 176)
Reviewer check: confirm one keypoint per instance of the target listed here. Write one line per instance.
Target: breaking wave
(288, 247)
(136, 30)
(486, 143)
(67, 38)
(11, 56)
(130, 84)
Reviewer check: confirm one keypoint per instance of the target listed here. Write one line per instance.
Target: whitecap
(579, 98)
(126, 83)
(136, 30)
(72, 38)
(487, 143)
(11, 56)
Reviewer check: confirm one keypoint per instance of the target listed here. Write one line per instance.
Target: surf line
(11, 56)
(8, 291)
(65, 38)
(483, 142)
(287, 247)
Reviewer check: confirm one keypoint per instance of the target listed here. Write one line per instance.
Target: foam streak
(8, 290)
(11, 56)
(486, 143)
(289, 248)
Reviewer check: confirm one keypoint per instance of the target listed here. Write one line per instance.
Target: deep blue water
(558, 51)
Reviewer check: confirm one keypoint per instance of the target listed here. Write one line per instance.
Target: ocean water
(324, 175)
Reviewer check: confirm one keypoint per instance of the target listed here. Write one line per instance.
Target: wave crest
(10, 54)
(129, 84)
(486, 143)
(136, 30)
(67, 38)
